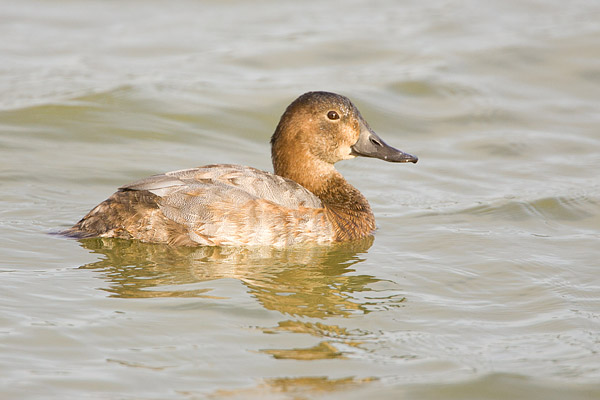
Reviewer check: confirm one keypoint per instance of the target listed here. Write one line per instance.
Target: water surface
(481, 281)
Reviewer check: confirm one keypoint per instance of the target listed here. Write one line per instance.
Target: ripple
(559, 208)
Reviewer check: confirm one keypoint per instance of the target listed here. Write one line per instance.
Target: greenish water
(482, 281)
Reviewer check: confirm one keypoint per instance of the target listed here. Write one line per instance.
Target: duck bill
(371, 145)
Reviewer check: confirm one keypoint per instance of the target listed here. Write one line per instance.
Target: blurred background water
(482, 281)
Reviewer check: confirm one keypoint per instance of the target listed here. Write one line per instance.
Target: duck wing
(236, 205)
(224, 179)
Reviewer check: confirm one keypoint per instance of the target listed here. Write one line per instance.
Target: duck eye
(333, 115)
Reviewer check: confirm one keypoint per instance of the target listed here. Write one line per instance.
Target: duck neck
(346, 208)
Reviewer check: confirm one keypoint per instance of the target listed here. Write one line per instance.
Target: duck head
(320, 128)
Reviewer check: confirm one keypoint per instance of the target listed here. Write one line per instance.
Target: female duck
(306, 200)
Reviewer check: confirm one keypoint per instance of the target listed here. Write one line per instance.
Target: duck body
(214, 205)
(306, 200)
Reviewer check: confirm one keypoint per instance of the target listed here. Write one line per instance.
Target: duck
(306, 200)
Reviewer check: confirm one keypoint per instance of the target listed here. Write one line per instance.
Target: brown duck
(306, 200)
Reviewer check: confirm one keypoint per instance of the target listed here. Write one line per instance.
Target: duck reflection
(305, 282)
(297, 388)
(313, 281)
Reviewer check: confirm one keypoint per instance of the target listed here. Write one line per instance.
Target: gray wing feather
(235, 182)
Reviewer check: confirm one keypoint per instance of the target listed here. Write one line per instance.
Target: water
(481, 282)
